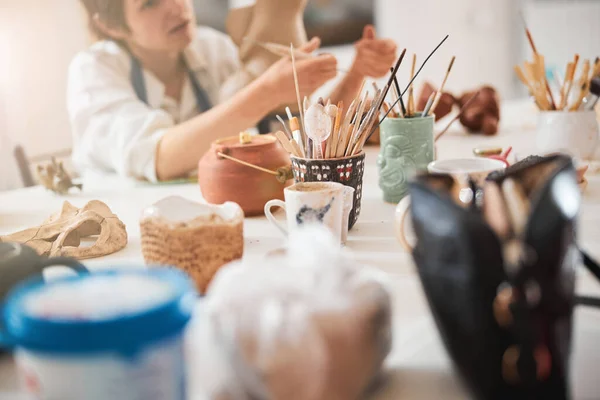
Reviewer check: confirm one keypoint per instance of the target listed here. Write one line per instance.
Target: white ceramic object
(575, 133)
(461, 168)
(348, 202)
(477, 168)
(177, 210)
(313, 202)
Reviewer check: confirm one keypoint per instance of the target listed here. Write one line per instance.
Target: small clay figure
(481, 116)
(443, 108)
(54, 177)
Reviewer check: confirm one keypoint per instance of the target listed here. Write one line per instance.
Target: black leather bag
(506, 325)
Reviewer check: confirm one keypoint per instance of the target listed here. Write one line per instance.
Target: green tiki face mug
(406, 147)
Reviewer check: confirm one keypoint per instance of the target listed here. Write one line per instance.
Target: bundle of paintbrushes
(576, 92)
(328, 131)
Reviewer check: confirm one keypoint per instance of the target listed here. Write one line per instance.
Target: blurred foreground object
(310, 323)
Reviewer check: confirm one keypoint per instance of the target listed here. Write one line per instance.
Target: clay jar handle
(221, 149)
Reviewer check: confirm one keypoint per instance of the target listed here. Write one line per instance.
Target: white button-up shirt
(112, 129)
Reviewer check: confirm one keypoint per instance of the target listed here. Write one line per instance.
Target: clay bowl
(223, 180)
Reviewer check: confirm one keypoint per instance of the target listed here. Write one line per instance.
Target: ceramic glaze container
(222, 180)
(115, 334)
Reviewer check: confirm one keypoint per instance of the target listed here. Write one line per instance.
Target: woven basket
(200, 246)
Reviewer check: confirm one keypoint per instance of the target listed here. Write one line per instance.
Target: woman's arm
(183, 145)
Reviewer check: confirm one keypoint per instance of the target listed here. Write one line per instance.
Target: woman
(144, 101)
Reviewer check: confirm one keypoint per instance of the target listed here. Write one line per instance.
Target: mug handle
(402, 211)
(5, 340)
(65, 262)
(275, 203)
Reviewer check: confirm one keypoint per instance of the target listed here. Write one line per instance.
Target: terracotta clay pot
(223, 180)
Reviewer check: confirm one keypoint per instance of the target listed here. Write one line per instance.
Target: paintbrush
(570, 81)
(462, 110)
(429, 104)
(297, 90)
(336, 129)
(357, 123)
(535, 52)
(438, 96)
(411, 81)
(344, 128)
(285, 128)
(401, 107)
(386, 89)
(595, 90)
(411, 99)
(584, 84)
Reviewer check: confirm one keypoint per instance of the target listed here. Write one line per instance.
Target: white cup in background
(461, 169)
(575, 133)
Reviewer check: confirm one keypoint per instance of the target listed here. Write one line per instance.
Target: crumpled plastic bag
(309, 325)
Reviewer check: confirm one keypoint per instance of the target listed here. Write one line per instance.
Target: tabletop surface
(418, 366)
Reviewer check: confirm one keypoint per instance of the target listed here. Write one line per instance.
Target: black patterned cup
(348, 171)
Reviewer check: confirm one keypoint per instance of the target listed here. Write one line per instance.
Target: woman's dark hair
(110, 12)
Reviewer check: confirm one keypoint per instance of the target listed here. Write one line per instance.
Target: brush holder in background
(406, 147)
(575, 133)
(348, 171)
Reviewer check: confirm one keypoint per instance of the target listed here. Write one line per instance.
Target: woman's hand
(374, 56)
(312, 74)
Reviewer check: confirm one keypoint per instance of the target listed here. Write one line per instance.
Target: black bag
(504, 307)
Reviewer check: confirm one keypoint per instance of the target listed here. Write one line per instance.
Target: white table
(418, 367)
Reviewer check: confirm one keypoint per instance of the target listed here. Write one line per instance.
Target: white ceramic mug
(475, 168)
(327, 203)
(575, 133)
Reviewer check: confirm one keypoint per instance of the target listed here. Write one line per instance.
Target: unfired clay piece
(272, 21)
(61, 234)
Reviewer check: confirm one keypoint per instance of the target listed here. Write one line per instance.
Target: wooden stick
(345, 128)
(297, 149)
(336, 129)
(571, 80)
(583, 84)
(528, 84)
(285, 142)
(462, 110)
(344, 144)
(298, 92)
(247, 164)
(438, 96)
(563, 88)
(411, 91)
(532, 44)
(357, 123)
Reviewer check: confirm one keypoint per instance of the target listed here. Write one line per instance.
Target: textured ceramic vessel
(223, 180)
(194, 237)
(348, 171)
(406, 147)
(575, 133)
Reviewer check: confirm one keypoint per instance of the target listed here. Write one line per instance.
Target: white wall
(482, 37)
(37, 41)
